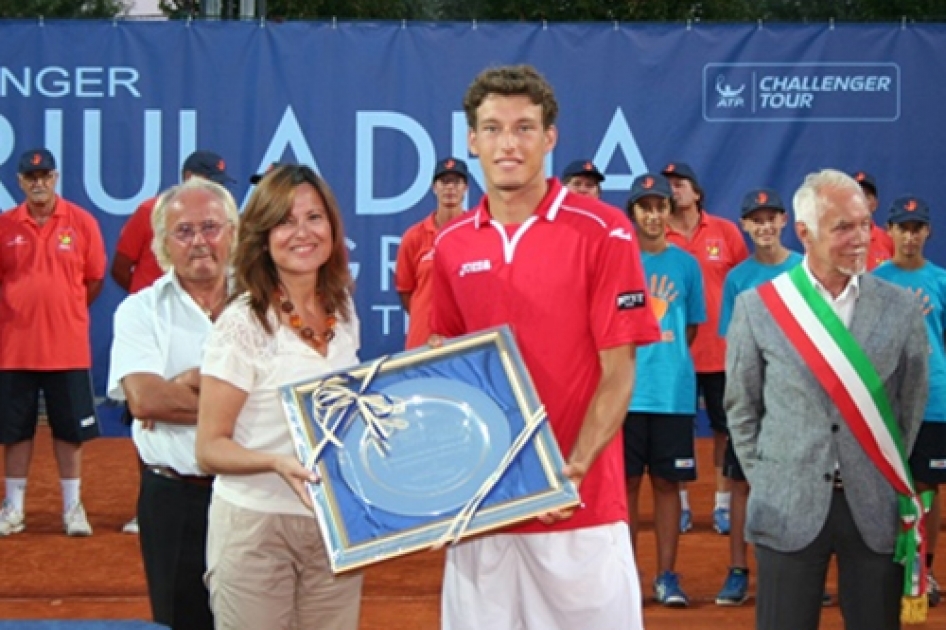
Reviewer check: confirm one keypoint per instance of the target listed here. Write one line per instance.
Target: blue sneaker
(735, 589)
(686, 521)
(667, 591)
(721, 520)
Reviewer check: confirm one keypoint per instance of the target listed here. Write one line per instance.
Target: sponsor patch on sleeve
(630, 300)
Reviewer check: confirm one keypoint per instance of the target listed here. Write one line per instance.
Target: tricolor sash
(848, 377)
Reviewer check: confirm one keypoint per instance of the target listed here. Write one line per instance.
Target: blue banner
(372, 106)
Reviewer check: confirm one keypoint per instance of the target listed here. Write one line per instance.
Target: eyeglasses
(187, 232)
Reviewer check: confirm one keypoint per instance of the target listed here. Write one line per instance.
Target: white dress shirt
(159, 330)
(843, 305)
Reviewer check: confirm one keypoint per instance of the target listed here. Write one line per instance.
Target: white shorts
(584, 578)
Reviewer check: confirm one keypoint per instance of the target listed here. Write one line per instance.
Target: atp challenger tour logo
(728, 96)
(810, 92)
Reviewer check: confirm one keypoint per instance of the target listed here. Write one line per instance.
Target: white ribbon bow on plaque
(331, 401)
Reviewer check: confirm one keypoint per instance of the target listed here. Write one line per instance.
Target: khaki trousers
(271, 571)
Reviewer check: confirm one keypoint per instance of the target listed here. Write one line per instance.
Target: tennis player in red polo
(564, 272)
(52, 262)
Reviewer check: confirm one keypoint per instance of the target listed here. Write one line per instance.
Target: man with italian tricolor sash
(827, 372)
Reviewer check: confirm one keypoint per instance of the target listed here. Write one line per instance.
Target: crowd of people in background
(223, 309)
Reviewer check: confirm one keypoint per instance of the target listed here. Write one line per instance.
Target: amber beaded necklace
(318, 340)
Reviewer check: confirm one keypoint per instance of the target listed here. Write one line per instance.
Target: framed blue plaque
(425, 448)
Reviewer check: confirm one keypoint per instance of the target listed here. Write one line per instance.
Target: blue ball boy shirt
(666, 378)
(747, 275)
(929, 284)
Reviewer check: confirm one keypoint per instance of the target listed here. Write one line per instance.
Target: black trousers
(790, 585)
(172, 518)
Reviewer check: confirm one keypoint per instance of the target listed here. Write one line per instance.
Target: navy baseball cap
(761, 198)
(208, 165)
(36, 160)
(582, 167)
(649, 184)
(680, 169)
(909, 208)
(866, 180)
(451, 165)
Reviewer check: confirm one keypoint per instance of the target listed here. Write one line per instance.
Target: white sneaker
(131, 527)
(12, 521)
(76, 523)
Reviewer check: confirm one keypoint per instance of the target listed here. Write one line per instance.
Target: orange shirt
(44, 318)
(718, 246)
(412, 274)
(881, 247)
(135, 243)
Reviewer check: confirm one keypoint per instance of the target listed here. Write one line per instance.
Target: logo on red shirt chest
(19, 239)
(65, 240)
(714, 249)
(476, 266)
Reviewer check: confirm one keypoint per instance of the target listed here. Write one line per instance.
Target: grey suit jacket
(789, 436)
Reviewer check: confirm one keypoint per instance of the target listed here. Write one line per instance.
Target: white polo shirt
(159, 330)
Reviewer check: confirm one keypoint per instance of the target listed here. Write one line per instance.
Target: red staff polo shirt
(413, 274)
(718, 246)
(135, 243)
(44, 318)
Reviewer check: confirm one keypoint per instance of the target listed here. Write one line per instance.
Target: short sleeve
(941, 286)
(235, 345)
(353, 326)
(4, 226)
(696, 297)
(405, 271)
(737, 243)
(729, 301)
(136, 348)
(620, 304)
(95, 259)
(135, 233)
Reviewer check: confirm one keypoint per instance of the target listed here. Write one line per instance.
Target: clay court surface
(45, 575)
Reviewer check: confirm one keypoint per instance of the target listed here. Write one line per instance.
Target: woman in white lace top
(293, 319)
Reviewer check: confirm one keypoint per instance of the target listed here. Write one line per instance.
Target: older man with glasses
(156, 353)
(51, 268)
(135, 266)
